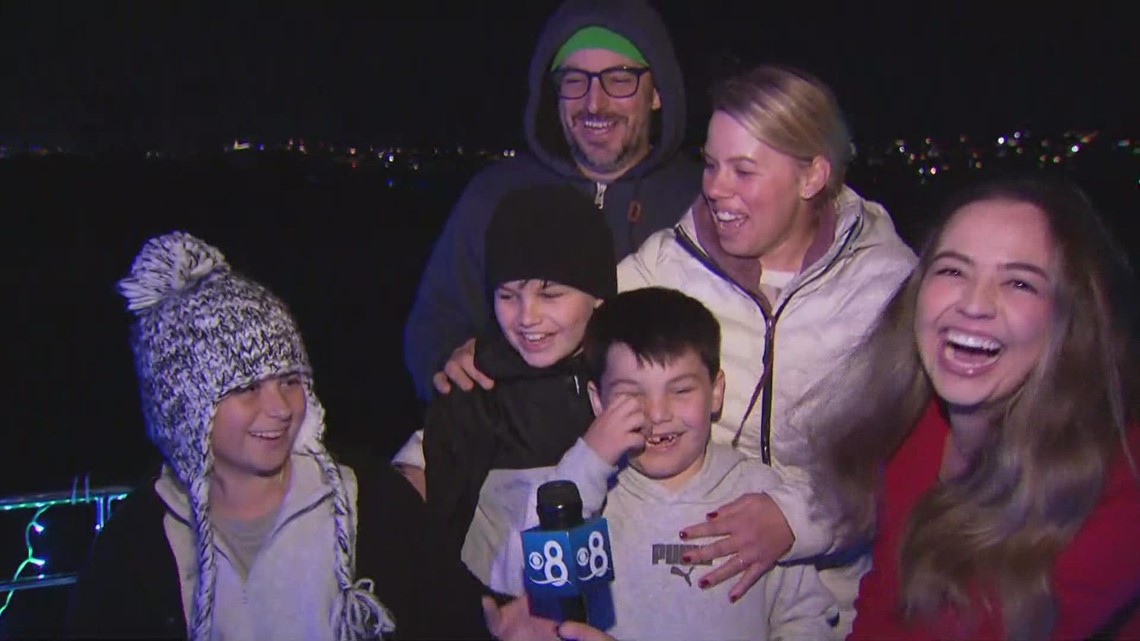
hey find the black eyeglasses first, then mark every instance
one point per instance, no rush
(617, 82)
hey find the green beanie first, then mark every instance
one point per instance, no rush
(597, 38)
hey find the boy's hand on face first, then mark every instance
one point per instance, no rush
(460, 369)
(620, 427)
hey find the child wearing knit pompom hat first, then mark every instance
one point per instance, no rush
(252, 530)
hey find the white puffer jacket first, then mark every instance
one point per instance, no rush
(819, 316)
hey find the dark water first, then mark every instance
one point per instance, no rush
(343, 248)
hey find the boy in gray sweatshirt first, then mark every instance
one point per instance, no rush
(653, 357)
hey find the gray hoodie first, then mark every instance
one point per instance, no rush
(654, 595)
(451, 304)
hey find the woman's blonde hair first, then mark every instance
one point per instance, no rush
(1001, 524)
(794, 113)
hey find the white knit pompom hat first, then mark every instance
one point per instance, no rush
(201, 331)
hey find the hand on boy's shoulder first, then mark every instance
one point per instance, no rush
(460, 369)
(619, 428)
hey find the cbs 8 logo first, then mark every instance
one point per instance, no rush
(550, 562)
(594, 556)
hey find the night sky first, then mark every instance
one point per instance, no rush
(172, 73)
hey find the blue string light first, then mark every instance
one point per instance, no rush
(101, 498)
(32, 559)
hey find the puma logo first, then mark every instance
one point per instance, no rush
(683, 574)
(670, 554)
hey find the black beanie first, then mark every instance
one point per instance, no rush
(550, 232)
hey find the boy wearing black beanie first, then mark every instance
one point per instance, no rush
(549, 264)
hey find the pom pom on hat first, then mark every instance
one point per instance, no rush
(167, 265)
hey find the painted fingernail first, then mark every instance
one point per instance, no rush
(683, 535)
(734, 598)
(686, 559)
(711, 515)
(703, 583)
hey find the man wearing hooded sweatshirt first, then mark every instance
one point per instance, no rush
(606, 114)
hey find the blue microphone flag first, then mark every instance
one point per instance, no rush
(567, 563)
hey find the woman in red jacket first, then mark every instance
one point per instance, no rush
(985, 432)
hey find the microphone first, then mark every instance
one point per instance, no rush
(567, 558)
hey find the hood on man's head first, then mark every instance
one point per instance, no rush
(634, 20)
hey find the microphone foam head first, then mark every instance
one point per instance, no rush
(559, 505)
(556, 493)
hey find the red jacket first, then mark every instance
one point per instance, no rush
(1096, 574)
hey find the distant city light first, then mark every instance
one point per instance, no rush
(931, 156)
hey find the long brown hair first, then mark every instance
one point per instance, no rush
(1000, 525)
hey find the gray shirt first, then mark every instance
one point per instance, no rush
(244, 538)
(787, 603)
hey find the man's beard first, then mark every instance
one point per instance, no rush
(628, 151)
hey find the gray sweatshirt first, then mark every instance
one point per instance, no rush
(655, 595)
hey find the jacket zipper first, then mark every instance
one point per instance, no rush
(600, 195)
(764, 385)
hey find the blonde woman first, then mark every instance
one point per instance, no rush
(795, 266)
